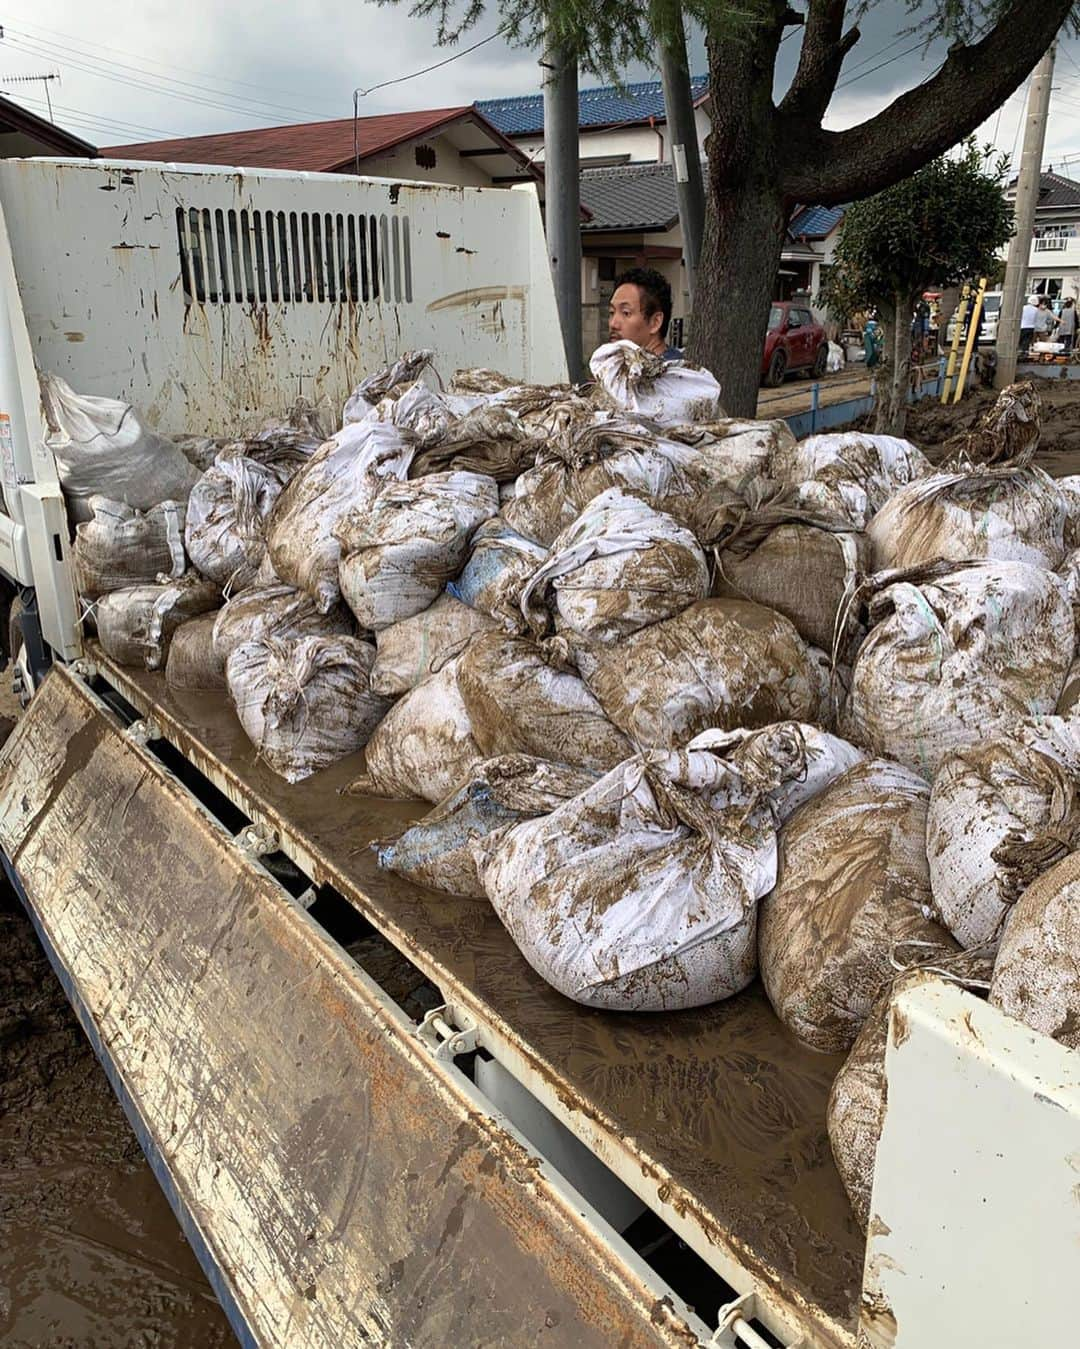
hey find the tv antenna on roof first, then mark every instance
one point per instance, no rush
(34, 79)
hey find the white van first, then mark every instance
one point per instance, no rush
(987, 326)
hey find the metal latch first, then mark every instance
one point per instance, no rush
(257, 840)
(445, 1040)
(735, 1330)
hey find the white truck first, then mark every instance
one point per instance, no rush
(375, 1123)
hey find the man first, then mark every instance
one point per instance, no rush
(1067, 330)
(640, 311)
(1027, 323)
(1045, 322)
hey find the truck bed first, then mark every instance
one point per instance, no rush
(714, 1117)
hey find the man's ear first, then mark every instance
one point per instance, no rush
(656, 322)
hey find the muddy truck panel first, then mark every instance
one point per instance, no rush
(346, 1191)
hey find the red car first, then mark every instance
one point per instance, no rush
(795, 341)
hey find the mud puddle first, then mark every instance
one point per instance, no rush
(91, 1256)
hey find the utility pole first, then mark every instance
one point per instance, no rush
(682, 133)
(1014, 291)
(562, 195)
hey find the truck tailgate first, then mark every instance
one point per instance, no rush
(338, 1188)
(714, 1117)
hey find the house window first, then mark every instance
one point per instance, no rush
(300, 257)
(1050, 286)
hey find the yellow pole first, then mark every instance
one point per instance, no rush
(972, 338)
(961, 310)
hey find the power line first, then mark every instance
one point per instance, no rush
(89, 66)
(872, 56)
(362, 93)
(84, 118)
(148, 60)
(898, 57)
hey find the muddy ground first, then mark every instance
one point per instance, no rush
(91, 1256)
(930, 424)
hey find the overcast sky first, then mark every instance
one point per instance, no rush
(157, 68)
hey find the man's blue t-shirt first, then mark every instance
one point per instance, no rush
(672, 354)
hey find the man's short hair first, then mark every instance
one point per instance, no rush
(655, 293)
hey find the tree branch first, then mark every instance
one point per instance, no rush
(822, 55)
(830, 167)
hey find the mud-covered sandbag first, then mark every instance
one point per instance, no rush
(525, 697)
(641, 893)
(848, 474)
(732, 451)
(619, 567)
(1035, 974)
(119, 546)
(192, 661)
(424, 747)
(667, 392)
(720, 663)
(1069, 571)
(103, 448)
(348, 473)
(414, 648)
(305, 702)
(1069, 487)
(376, 386)
(275, 611)
(956, 656)
(200, 451)
(852, 886)
(856, 1110)
(398, 553)
(1068, 703)
(135, 625)
(799, 562)
(1002, 811)
(1015, 514)
(437, 850)
(500, 565)
(1008, 432)
(225, 535)
(489, 439)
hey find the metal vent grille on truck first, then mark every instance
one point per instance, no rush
(256, 257)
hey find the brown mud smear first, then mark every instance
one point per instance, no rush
(90, 1253)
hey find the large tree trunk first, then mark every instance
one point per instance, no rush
(894, 375)
(745, 211)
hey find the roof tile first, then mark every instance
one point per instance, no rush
(606, 106)
(630, 197)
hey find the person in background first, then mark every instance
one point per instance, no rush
(873, 343)
(1044, 321)
(1027, 323)
(640, 311)
(1067, 328)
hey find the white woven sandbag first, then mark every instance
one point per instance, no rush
(348, 473)
(619, 567)
(399, 553)
(500, 565)
(720, 663)
(275, 611)
(1036, 969)
(192, 662)
(437, 850)
(730, 451)
(851, 889)
(1068, 704)
(305, 702)
(103, 448)
(414, 648)
(225, 535)
(135, 625)
(119, 546)
(848, 473)
(372, 388)
(424, 746)
(997, 812)
(639, 894)
(525, 697)
(958, 657)
(1015, 514)
(668, 392)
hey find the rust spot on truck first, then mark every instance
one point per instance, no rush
(75, 337)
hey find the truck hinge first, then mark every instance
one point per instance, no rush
(257, 840)
(735, 1331)
(86, 670)
(445, 1040)
(144, 730)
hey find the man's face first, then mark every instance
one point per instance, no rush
(627, 322)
